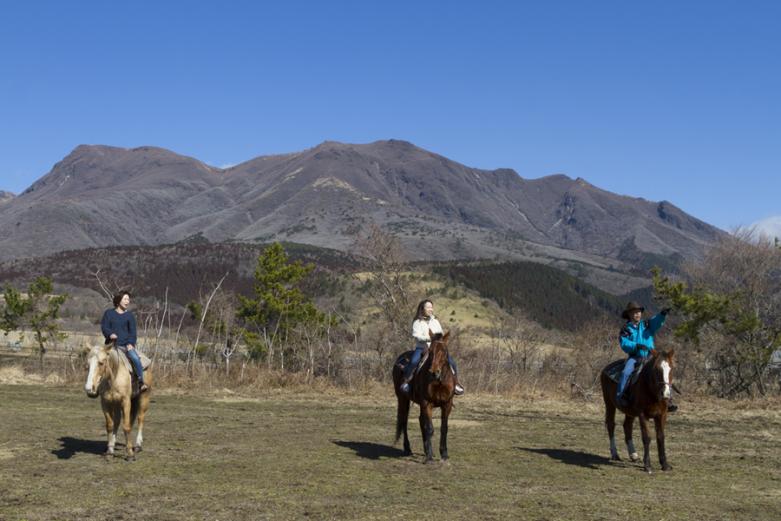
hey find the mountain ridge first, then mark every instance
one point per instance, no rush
(326, 195)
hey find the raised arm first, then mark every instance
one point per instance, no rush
(655, 322)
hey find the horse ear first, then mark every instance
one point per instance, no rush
(671, 354)
(445, 337)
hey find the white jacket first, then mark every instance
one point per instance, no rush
(420, 329)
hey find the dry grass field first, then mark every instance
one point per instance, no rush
(304, 455)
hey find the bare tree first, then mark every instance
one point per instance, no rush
(387, 287)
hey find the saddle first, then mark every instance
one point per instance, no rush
(404, 359)
(145, 363)
(614, 370)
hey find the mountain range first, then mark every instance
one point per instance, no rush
(328, 195)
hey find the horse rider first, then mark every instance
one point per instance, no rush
(637, 341)
(424, 322)
(119, 326)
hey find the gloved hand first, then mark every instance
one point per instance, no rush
(666, 311)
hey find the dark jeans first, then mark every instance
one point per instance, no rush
(631, 362)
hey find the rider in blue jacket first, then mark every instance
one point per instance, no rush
(637, 341)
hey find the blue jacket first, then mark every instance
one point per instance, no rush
(121, 324)
(633, 336)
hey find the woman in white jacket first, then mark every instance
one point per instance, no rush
(424, 322)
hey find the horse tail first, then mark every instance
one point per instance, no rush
(135, 404)
(402, 413)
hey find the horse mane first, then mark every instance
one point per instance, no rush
(113, 363)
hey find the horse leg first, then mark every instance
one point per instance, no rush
(402, 415)
(630, 444)
(659, 427)
(143, 406)
(427, 429)
(610, 425)
(111, 430)
(646, 443)
(443, 432)
(126, 427)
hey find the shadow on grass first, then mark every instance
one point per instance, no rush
(571, 457)
(370, 450)
(72, 446)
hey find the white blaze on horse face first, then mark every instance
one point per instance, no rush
(666, 375)
(93, 362)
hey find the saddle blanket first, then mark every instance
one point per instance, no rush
(145, 361)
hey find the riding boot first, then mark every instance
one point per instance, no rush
(458, 388)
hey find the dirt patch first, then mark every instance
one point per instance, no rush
(6, 454)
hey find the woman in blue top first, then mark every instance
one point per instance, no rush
(119, 326)
(637, 341)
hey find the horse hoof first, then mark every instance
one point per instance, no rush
(428, 461)
(137, 449)
(615, 458)
(648, 470)
(667, 466)
(634, 457)
(408, 453)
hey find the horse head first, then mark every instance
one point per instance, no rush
(663, 364)
(98, 367)
(438, 354)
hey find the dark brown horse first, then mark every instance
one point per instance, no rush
(432, 386)
(648, 399)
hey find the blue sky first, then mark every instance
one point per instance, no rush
(663, 100)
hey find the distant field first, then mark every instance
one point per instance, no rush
(284, 455)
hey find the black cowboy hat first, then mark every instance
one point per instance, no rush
(632, 306)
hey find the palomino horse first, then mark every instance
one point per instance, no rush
(648, 399)
(432, 386)
(109, 378)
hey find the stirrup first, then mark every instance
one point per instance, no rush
(458, 389)
(404, 388)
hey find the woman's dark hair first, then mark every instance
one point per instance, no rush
(421, 314)
(118, 297)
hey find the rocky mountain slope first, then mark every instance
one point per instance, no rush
(326, 196)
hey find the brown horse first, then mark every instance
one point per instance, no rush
(432, 386)
(648, 399)
(109, 377)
